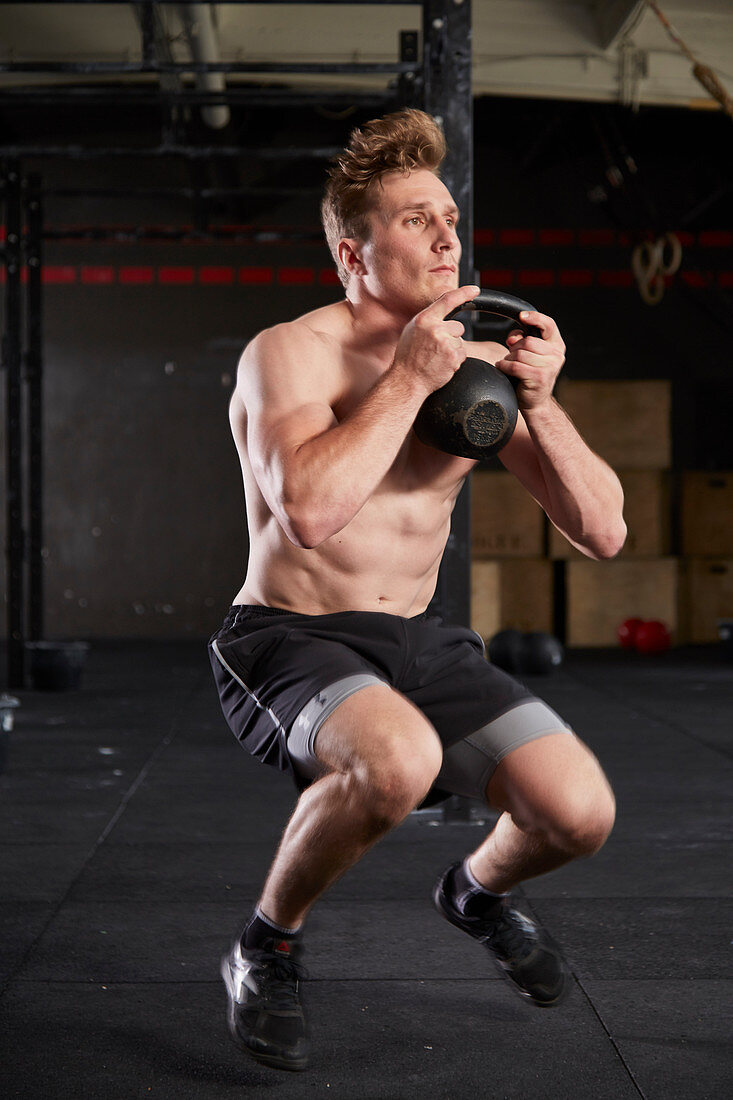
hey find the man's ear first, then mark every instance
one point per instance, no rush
(349, 254)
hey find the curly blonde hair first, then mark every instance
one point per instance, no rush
(400, 142)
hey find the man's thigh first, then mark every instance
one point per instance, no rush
(481, 714)
(469, 766)
(377, 730)
(549, 779)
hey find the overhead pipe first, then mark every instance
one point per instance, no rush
(203, 42)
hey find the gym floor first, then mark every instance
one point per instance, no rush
(137, 834)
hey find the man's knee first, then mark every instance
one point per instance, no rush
(395, 784)
(586, 823)
(385, 748)
(559, 791)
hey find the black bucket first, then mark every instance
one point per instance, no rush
(8, 705)
(56, 666)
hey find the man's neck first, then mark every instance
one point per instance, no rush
(376, 326)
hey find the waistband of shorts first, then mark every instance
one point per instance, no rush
(249, 610)
(240, 612)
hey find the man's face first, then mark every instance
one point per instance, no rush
(412, 254)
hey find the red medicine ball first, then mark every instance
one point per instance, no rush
(652, 637)
(626, 632)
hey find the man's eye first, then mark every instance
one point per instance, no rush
(416, 219)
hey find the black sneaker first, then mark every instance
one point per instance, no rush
(265, 1014)
(521, 949)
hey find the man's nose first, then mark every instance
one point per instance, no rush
(446, 239)
(446, 236)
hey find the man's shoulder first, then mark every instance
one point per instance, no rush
(307, 351)
(316, 330)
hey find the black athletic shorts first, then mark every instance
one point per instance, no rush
(280, 674)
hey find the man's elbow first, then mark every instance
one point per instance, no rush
(304, 527)
(304, 539)
(301, 533)
(610, 542)
(309, 519)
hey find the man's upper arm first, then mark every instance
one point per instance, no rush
(282, 383)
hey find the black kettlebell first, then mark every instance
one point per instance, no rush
(474, 414)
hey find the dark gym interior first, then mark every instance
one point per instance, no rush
(137, 833)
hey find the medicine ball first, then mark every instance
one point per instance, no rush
(504, 650)
(540, 653)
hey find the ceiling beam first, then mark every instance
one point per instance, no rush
(616, 18)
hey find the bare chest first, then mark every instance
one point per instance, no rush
(418, 472)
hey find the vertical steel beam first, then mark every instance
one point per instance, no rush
(12, 339)
(34, 376)
(146, 17)
(448, 96)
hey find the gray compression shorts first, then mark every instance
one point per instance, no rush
(467, 766)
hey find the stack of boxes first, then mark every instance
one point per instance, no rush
(627, 424)
(707, 545)
(526, 575)
(511, 576)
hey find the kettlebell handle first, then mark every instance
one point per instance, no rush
(474, 414)
(503, 305)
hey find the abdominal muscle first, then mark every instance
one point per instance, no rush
(386, 559)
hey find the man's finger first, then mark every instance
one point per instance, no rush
(545, 324)
(454, 298)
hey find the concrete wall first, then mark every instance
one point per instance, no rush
(145, 522)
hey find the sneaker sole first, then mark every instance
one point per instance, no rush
(270, 1060)
(453, 918)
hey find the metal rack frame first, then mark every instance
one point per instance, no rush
(439, 82)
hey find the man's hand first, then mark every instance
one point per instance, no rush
(534, 361)
(430, 348)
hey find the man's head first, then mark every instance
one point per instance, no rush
(404, 142)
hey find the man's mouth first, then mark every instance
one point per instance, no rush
(443, 267)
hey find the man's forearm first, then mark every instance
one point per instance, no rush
(330, 478)
(584, 496)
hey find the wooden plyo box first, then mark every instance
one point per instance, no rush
(627, 423)
(601, 594)
(707, 514)
(505, 520)
(512, 594)
(706, 596)
(647, 515)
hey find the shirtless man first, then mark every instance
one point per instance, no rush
(327, 665)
